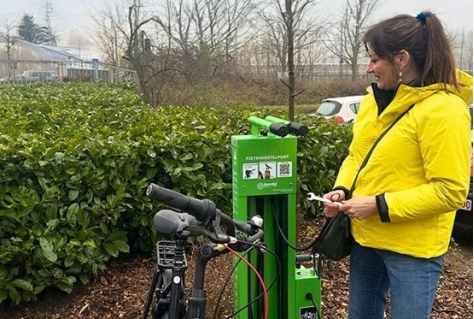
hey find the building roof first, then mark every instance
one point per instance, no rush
(52, 53)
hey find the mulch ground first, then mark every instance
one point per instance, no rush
(121, 290)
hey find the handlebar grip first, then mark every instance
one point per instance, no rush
(303, 258)
(298, 129)
(201, 209)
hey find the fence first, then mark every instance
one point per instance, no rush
(314, 72)
(19, 71)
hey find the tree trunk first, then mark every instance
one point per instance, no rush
(291, 73)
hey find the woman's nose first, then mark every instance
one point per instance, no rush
(369, 68)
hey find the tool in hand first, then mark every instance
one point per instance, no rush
(312, 196)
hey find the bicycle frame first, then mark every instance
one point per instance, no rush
(198, 299)
(168, 282)
(169, 277)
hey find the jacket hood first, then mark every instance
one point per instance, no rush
(408, 95)
(466, 91)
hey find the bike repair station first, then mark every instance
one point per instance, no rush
(264, 168)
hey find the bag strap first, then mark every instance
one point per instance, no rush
(366, 159)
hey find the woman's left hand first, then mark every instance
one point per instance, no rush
(359, 207)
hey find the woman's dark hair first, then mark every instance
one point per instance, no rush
(424, 38)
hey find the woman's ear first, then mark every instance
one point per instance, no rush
(402, 59)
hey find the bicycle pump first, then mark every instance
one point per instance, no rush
(265, 184)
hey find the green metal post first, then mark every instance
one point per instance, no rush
(265, 183)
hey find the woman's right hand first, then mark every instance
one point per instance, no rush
(334, 196)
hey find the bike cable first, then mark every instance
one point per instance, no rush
(283, 235)
(269, 287)
(260, 279)
(310, 297)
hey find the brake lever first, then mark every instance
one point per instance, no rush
(218, 235)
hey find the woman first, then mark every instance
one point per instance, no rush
(404, 201)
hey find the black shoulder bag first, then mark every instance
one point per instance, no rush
(335, 239)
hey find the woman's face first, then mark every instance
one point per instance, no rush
(383, 71)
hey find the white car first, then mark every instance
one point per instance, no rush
(342, 109)
(30, 76)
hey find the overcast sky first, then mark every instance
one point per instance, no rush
(455, 14)
(73, 15)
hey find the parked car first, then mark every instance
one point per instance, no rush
(462, 230)
(342, 109)
(30, 76)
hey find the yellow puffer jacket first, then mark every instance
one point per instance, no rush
(422, 166)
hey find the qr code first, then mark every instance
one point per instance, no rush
(284, 169)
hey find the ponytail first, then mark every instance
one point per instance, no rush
(424, 38)
(440, 65)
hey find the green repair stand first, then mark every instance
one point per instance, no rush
(265, 184)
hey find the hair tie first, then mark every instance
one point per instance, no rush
(421, 17)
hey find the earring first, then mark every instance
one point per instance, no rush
(400, 78)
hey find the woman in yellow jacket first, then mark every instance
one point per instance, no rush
(404, 201)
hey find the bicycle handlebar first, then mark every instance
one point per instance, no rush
(203, 210)
(198, 217)
(198, 213)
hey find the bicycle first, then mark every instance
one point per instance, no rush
(199, 217)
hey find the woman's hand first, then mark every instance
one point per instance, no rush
(334, 196)
(359, 207)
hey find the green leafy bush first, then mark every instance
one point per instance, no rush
(75, 161)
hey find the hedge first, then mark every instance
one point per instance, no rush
(76, 158)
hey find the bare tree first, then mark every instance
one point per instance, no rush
(290, 30)
(9, 41)
(123, 38)
(468, 53)
(190, 39)
(461, 43)
(137, 53)
(7, 37)
(110, 23)
(207, 33)
(306, 30)
(289, 20)
(345, 40)
(80, 41)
